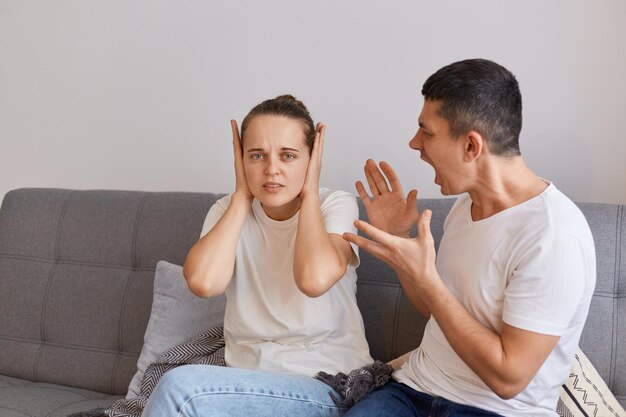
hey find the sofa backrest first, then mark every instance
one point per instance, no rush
(77, 269)
(76, 276)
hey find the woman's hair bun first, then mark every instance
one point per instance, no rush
(292, 100)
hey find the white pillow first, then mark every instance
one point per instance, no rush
(585, 393)
(177, 315)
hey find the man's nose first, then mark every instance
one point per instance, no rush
(415, 143)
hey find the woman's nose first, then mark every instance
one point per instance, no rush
(272, 167)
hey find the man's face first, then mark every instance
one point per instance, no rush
(275, 159)
(440, 150)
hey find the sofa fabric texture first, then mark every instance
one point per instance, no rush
(77, 271)
(76, 288)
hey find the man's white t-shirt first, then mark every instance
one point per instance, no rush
(269, 323)
(531, 266)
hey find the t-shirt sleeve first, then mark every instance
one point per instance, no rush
(340, 210)
(215, 213)
(548, 285)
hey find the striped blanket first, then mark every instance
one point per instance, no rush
(205, 349)
(208, 349)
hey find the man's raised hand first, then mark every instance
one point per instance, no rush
(387, 208)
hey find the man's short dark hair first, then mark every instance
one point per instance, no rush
(480, 95)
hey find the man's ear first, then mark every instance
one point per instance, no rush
(475, 146)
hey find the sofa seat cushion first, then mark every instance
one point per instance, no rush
(22, 398)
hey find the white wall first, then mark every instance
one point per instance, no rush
(137, 94)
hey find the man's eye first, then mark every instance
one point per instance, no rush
(256, 156)
(289, 156)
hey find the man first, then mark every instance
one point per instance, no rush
(509, 290)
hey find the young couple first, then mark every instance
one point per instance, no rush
(506, 295)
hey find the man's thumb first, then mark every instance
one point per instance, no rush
(424, 223)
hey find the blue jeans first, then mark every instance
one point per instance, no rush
(207, 391)
(399, 400)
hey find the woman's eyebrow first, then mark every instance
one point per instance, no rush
(284, 148)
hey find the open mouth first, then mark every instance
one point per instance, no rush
(272, 186)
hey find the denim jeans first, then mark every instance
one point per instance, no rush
(399, 400)
(208, 391)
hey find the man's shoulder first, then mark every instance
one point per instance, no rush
(563, 215)
(461, 206)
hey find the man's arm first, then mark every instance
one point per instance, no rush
(412, 294)
(506, 362)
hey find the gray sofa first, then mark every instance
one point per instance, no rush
(76, 276)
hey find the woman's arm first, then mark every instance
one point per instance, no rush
(321, 258)
(211, 261)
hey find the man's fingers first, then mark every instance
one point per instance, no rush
(375, 233)
(423, 227)
(362, 193)
(377, 176)
(375, 249)
(411, 202)
(394, 181)
(360, 241)
(370, 182)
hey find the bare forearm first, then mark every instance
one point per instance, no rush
(318, 264)
(482, 349)
(210, 263)
(412, 294)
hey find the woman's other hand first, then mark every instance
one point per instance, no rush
(241, 183)
(312, 180)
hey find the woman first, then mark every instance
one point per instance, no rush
(275, 247)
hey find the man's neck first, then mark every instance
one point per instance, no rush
(503, 183)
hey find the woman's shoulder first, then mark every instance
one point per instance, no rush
(222, 202)
(338, 201)
(329, 196)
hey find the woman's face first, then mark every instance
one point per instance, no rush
(275, 159)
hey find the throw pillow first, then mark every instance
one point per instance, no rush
(585, 393)
(177, 315)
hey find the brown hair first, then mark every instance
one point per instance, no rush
(478, 94)
(284, 105)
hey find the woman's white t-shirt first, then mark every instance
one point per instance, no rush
(269, 323)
